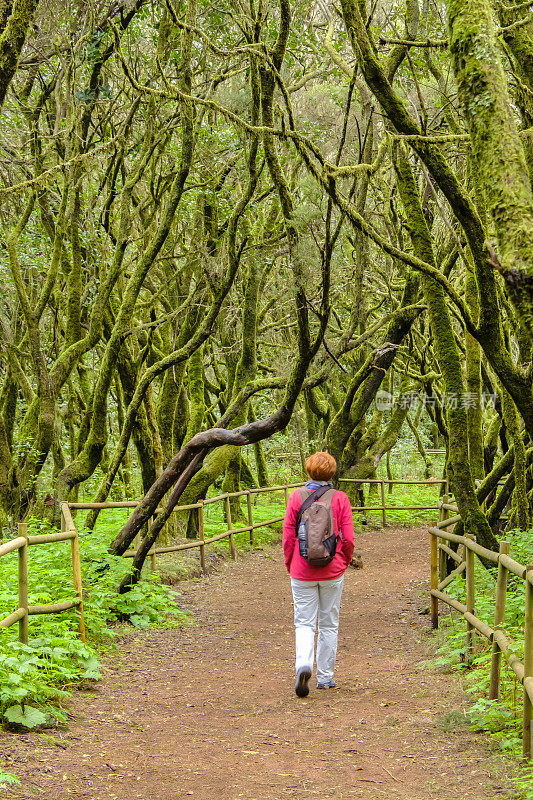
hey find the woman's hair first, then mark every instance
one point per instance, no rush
(321, 466)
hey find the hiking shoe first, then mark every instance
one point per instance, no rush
(328, 685)
(301, 686)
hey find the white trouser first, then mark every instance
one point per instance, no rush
(309, 598)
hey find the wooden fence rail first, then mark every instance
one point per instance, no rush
(201, 542)
(390, 482)
(69, 533)
(232, 531)
(501, 643)
(21, 544)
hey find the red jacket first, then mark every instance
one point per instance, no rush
(343, 522)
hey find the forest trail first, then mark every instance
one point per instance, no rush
(209, 711)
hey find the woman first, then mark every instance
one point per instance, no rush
(317, 589)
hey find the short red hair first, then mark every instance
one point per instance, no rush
(321, 466)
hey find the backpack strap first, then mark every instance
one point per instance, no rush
(332, 490)
(309, 500)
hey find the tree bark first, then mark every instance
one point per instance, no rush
(17, 18)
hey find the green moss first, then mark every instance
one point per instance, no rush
(195, 385)
(520, 499)
(473, 383)
(499, 155)
(259, 454)
(458, 464)
(12, 40)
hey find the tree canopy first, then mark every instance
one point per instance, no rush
(221, 219)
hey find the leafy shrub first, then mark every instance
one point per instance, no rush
(35, 678)
(501, 718)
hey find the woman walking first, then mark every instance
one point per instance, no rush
(318, 544)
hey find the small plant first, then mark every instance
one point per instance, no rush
(7, 779)
(524, 783)
(453, 720)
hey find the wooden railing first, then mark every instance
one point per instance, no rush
(21, 544)
(201, 542)
(501, 643)
(384, 507)
(69, 533)
(231, 531)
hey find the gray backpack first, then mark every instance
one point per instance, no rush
(314, 526)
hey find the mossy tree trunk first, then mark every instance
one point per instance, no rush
(379, 442)
(497, 150)
(458, 465)
(261, 464)
(474, 384)
(489, 331)
(428, 465)
(347, 426)
(90, 456)
(15, 20)
(226, 460)
(521, 510)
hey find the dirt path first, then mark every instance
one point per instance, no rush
(209, 711)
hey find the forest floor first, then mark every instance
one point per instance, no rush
(208, 711)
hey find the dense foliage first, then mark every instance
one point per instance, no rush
(35, 678)
(250, 217)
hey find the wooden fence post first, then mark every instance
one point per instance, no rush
(152, 554)
(384, 511)
(528, 666)
(499, 615)
(470, 596)
(434, 581)
(76, 574)
(201, 534)
(228, 519)
(442, 555)
(443, 563)
(250, 517)
(23, 583)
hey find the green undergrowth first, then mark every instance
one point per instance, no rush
(500, 719)
(178, 566)
(35, 679)
(264, 508)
